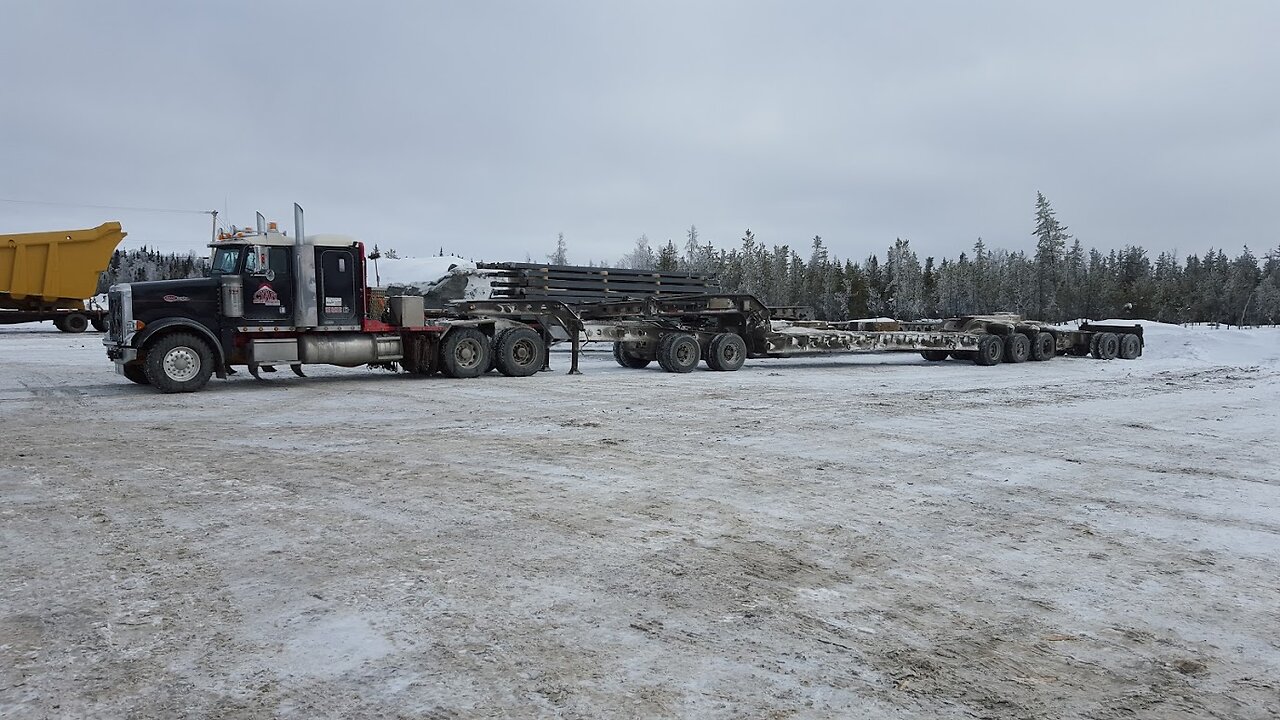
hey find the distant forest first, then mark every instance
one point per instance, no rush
(1061, 281)
(147, 264)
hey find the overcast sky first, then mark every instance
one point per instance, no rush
(487, 128)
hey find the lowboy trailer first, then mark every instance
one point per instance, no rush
(723, 331)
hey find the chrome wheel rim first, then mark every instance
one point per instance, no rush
(181, 364)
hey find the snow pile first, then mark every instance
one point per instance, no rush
(1208, 345)
(452, 276)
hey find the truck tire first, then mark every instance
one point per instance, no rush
(934, 355)
(1105, 346)
(726, 352)
(629, 358)
(1130, 346)
(99, 323)
(1017, 348)
(1043, 346)
(136, 373)
(464, 353)
(678, 352)
(74, 323)
(967, 355)
(990, 350)
(179, 362)
(519, 352)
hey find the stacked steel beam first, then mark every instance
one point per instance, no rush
(578, 284)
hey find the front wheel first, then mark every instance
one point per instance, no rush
(136, 373)
(179, 363)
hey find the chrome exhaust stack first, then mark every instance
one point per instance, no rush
(306, 309)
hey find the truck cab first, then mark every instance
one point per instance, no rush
(271, 299)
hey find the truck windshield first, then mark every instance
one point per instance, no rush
(225, 260)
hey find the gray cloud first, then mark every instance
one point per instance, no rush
(487, 128)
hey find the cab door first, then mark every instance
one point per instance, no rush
(338, 286)
(268, 285)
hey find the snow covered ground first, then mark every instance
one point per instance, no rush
(870, 536)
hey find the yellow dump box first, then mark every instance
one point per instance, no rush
(43, 275)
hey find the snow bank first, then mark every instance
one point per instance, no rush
(449, 277)
(1207, 345)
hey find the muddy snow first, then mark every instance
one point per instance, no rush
(859, 536)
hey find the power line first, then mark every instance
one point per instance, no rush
(107, 207)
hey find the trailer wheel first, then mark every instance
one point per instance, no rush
(990, 350)
(1105, 346)
(628, 358)
(519, 352)
(179, 362)
(135, 372)
(464, 353)
(1017, 347)
(1130, 346)
(726, 352)
(968, 355)
(1043, 346)
(934, 355)
(74, 323)
(678, 352)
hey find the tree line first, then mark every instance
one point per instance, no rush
(1060, 281)
(145, 263)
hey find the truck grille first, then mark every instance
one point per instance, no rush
(115, 315)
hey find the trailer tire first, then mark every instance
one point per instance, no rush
(678, 352)
(1105, 346)
(1017, 348)
(1043, 346)
(1130, 346)
(136, 373)
(519, 352)
(726, 352)
(990, 350)
(464, 353)
(934, 355)
(629, 359)
(74, 323)
(967, 355)
(178, 363)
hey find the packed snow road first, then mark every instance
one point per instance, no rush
(870, 536)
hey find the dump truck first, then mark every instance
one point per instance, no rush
(274, 300)
(49, 276)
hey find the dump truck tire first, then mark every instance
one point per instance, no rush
(1130, 347)
(629, 359)
(178, 363)
(1017, 348)
(726, 352)
(990, 350)
(519, 352)
(1043, 346)
(136, 373)
(934, 355)
(1105, 346)
(99, 323)
(678, 353)
(74, 323)
(464, 353)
